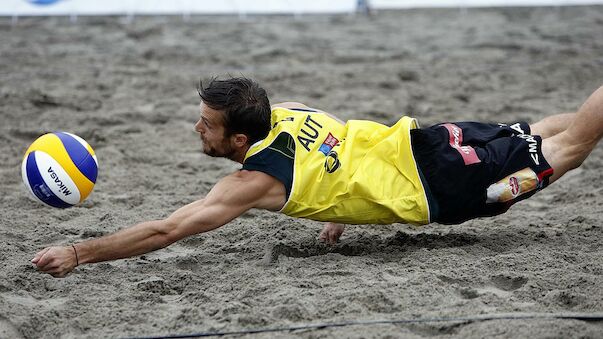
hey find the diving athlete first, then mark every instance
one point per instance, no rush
(306, 163)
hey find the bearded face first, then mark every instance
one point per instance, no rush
(213, 133)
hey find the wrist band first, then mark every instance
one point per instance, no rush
(77, 260)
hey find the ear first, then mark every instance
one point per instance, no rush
(239, 140)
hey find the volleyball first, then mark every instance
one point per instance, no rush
(59, 169)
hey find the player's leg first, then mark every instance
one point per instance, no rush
(568, 149)
(552, 125)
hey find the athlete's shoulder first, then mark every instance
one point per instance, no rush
(252, 177)
(289, 105)
(246, 184)
(267, 191)
(295, 106)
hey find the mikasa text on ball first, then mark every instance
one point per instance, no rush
(59, 169)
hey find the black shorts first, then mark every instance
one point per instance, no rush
(475, 169)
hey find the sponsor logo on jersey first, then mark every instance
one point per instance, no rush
(328, 144)
(332, 162)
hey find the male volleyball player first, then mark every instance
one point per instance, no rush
(306, 163)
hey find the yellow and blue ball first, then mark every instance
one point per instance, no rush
(59, 169)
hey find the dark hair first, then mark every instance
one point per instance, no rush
(244, 103)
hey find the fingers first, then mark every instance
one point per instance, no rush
(323, 235)
(39, 255)
(58, 273)
(50, 265)
(333, 237)
(328, 237)
(55, 269)
(331, 233)
(45, 258)
(56, 261)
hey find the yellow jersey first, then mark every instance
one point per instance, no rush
(362, 172)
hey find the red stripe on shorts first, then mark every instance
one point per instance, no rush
(545, 173)
(456, 139)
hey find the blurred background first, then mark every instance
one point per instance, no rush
(242, 7)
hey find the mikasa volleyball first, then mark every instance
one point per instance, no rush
(59, 169)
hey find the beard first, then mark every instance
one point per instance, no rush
(224, 151)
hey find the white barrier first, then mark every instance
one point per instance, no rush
(171, 7)
(391, 4)
(18, 8)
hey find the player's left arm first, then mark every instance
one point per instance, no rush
(229, 198)
(331, 233)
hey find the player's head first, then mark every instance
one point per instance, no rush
(235, 113)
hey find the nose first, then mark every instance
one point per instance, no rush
(199, 126)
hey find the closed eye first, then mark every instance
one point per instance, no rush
(205, 122)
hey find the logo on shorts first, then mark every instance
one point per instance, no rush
(456, 139)
(532, 147)
(516, 127)
(514, 186)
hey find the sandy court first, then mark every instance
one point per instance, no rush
(129, 90)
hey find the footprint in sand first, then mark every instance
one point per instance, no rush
(501, 286)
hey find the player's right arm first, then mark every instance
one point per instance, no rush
(231, 197)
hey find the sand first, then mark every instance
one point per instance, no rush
(129, 89)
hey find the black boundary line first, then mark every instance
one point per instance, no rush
(467, 319)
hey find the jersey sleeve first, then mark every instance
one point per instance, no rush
(275, 160)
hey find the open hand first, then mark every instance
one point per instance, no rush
(56, 261)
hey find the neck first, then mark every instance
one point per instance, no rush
(239, 156)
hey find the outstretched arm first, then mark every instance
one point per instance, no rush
(231, 197)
